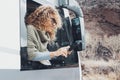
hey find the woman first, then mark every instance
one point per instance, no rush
(42, 25)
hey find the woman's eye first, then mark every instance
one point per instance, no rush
(53, 20)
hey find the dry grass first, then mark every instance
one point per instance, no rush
(113, 43)
(111, 76)
(99, 69)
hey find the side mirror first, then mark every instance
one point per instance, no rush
(78, 34)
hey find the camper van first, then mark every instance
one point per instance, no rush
(14, 64)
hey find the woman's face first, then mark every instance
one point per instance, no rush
(52, 24)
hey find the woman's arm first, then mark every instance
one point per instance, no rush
(41, 56)
(46, 55)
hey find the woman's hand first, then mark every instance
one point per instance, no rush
(63, 51)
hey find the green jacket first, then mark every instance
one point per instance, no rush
(36, 41)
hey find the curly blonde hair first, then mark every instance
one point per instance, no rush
(45, 18)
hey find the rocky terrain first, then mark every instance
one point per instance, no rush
(102, 14)
(101, 58)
